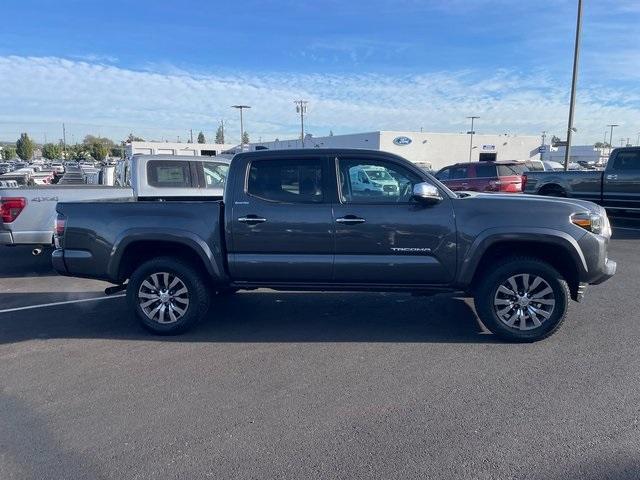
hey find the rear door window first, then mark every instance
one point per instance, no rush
(168, 174)
(459, 172)
(215, 174)
(290, 181)
(485, 170)
(627, 161)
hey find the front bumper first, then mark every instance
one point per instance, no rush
(610, 267)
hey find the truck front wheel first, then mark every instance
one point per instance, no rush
(168, 296)
(522, 300)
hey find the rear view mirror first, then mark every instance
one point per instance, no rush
(426, 193)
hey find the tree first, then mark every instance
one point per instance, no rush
(245, 137)
(8, 153)
(133, 138)
(201, 138)
(78, 152)
(555, 140)
(51, 151)
(98, 147)
(220, 134)
(601, 145)
(25, 147)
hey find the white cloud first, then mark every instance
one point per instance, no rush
(40, 93)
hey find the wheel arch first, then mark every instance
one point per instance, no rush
(135, 247)
(557, 248)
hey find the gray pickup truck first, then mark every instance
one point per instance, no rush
(302, 220)
(617, 188)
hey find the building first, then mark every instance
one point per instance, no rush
(176, 148)
(577, 153)
(435, 150)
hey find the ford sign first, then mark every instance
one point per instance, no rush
(402, 141)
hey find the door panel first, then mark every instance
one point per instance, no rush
(621, 181)
(391, 239)
(282, 228)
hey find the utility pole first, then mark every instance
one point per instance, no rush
(574, 81)
(471, 133)
(64, 141)
(612, 126)
(544, 137)
(191, 134)
(241, 107)
(301, 108)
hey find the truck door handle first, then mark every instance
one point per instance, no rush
(252, 219)
(612, 177)
(350, 220)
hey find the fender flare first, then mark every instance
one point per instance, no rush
(493, 236)
(210, 258)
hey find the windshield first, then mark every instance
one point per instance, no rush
(378, 175)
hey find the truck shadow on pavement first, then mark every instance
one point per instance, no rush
(31, 450)
(268, 317)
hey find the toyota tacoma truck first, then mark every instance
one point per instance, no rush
(616, 188)
(291, 220)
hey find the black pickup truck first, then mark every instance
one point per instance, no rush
(306, 220)
(617, 188)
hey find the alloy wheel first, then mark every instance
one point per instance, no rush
(524, 301)
(163, 297)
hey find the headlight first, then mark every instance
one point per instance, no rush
(593, 222)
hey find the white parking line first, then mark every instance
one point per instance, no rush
(42, 305)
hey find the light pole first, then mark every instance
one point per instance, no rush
(574, 80)
(301, 108)
(241, 107)
(471, 133)
(612, 126)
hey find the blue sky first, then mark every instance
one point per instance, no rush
(160, 68)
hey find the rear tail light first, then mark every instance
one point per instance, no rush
(10, 208)
(61, 223)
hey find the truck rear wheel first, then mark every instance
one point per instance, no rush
(168, 296)
(523, 300)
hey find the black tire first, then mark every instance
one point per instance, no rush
(197, 296)
(487, 298)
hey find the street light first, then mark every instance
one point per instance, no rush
(471, 133)
(613, 125)
(241, 107)
(301, 108)
(574, 80)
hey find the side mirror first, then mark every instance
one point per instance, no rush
(426, 193)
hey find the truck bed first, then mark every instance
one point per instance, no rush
(89, 239)
(34, 224)
(583, 184)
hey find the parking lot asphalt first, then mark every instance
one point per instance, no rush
(315, 385)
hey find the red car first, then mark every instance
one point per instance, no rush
(505, 176)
